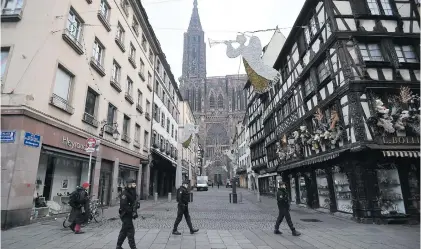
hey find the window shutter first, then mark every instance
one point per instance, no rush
(62, 84)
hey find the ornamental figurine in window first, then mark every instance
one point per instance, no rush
(383, 119)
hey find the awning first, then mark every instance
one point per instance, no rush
(313, 160)
(400, 153)
(65, 153)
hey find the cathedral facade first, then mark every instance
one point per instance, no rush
(218, 103)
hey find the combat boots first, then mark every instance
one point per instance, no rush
(295, 233)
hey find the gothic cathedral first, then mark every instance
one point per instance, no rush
(218, 103)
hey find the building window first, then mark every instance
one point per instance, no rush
(112, 114)
(323, 70)
(156, 113)
(135, 26)
(125, 5)
(308, 86)
(139, 98)
(74, 25)
(11, 7)
(386, 7)
(175, 136)
(98, 52)
(132, 52)
(142, 68)
(4, 60)
(150, 55)
(116, 72)
(129, 87)
(374, 7)
(126, 126)
(104, 9)
(163, 120)
(168, 125)
(120, 33)
(158, 66)
(371, 52)
(137, 133)
(145, 139)
(91, 100)
(63, 84)
(149, 79)
(220, 102)
(172, 130)
(148, 106)
(405, 53)
(212, 101)
(144, 43)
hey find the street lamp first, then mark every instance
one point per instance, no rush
(113, 126)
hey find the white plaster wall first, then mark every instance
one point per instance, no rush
(417, 74)
(388, 73)
(344, 7)
(405, 74)
(373, 73)
(404, 9)
(390, 25)
(62, 172)
(161, 130)
(368, 25)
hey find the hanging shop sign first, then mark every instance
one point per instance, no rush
(398, 140)
(72, 144)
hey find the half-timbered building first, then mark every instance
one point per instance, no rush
(341, 126)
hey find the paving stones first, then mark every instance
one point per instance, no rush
(222, 225)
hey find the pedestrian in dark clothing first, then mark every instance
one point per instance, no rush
(183, 197)
(212, 184)
(283, 207)
(128, 212)
(79, 201)
(218, 185)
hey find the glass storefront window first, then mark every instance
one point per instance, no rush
(124, 174)
(322, 189)
(342, 191)
(391, 201)
(293, 194)
(414, 189)
(303, 190)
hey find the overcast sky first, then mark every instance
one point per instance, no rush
(221, 20)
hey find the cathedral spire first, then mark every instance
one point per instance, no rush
(195, 19)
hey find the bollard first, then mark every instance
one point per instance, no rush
(258, 197)
(230, 196)
(241, 198)
(191, 197)
(234, 198)
(155, 197)
(169, 197)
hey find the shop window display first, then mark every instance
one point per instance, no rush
(342, 191)
(390, 201)
(303, 191)
(293, 194)
(414, 188)
(322, 189)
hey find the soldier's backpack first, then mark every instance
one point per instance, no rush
(74, 199)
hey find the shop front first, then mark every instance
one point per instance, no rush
(267, 183)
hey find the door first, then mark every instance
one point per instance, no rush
(104, 188)
(48, 182)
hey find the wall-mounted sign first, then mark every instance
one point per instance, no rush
(32, 140)
(72, 144)
(399, 140)
(8, 136)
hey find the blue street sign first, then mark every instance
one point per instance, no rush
(8, 136)
(32, 140)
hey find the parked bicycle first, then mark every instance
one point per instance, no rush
(96, 213)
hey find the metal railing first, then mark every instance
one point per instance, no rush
(61, 103)
(126, 138)
(148, 116)
(90, 119)
(139, 108)
(114, 83)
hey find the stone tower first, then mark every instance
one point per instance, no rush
(218, 103)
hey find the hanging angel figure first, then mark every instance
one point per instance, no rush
(260, 74)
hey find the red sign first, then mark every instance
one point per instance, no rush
(91, 142)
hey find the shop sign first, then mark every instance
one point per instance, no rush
(399, 140)
(72, 144)
(8, 136)
(32, 140)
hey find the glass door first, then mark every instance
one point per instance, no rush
(322, 189)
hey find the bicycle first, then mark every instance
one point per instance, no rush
(96, 213)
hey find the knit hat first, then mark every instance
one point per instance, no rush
(85, 185)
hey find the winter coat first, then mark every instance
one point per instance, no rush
(183, 195)
(282, 198)
(76, 215)
(128, 204)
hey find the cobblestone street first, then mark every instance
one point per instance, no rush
(222, 225)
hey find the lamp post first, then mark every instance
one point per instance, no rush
(113, 126)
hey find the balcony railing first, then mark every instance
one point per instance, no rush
(104, 20)
(120, 44)
(148, 116)
(114, 83)
(168, 151)
(132, 61)
(11, 15)
(139, 108)
(136, 143)
(155, 144)
(125, 137)
(97, 65)
(73, 41)
(128, 97)
(89, 119)
(61, 103)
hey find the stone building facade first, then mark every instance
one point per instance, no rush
(218, 103)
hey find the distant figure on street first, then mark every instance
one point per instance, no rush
(183, 197)
(212, 184)
(218, 185)
(79, 201)
(128, 212)
(283, 207)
